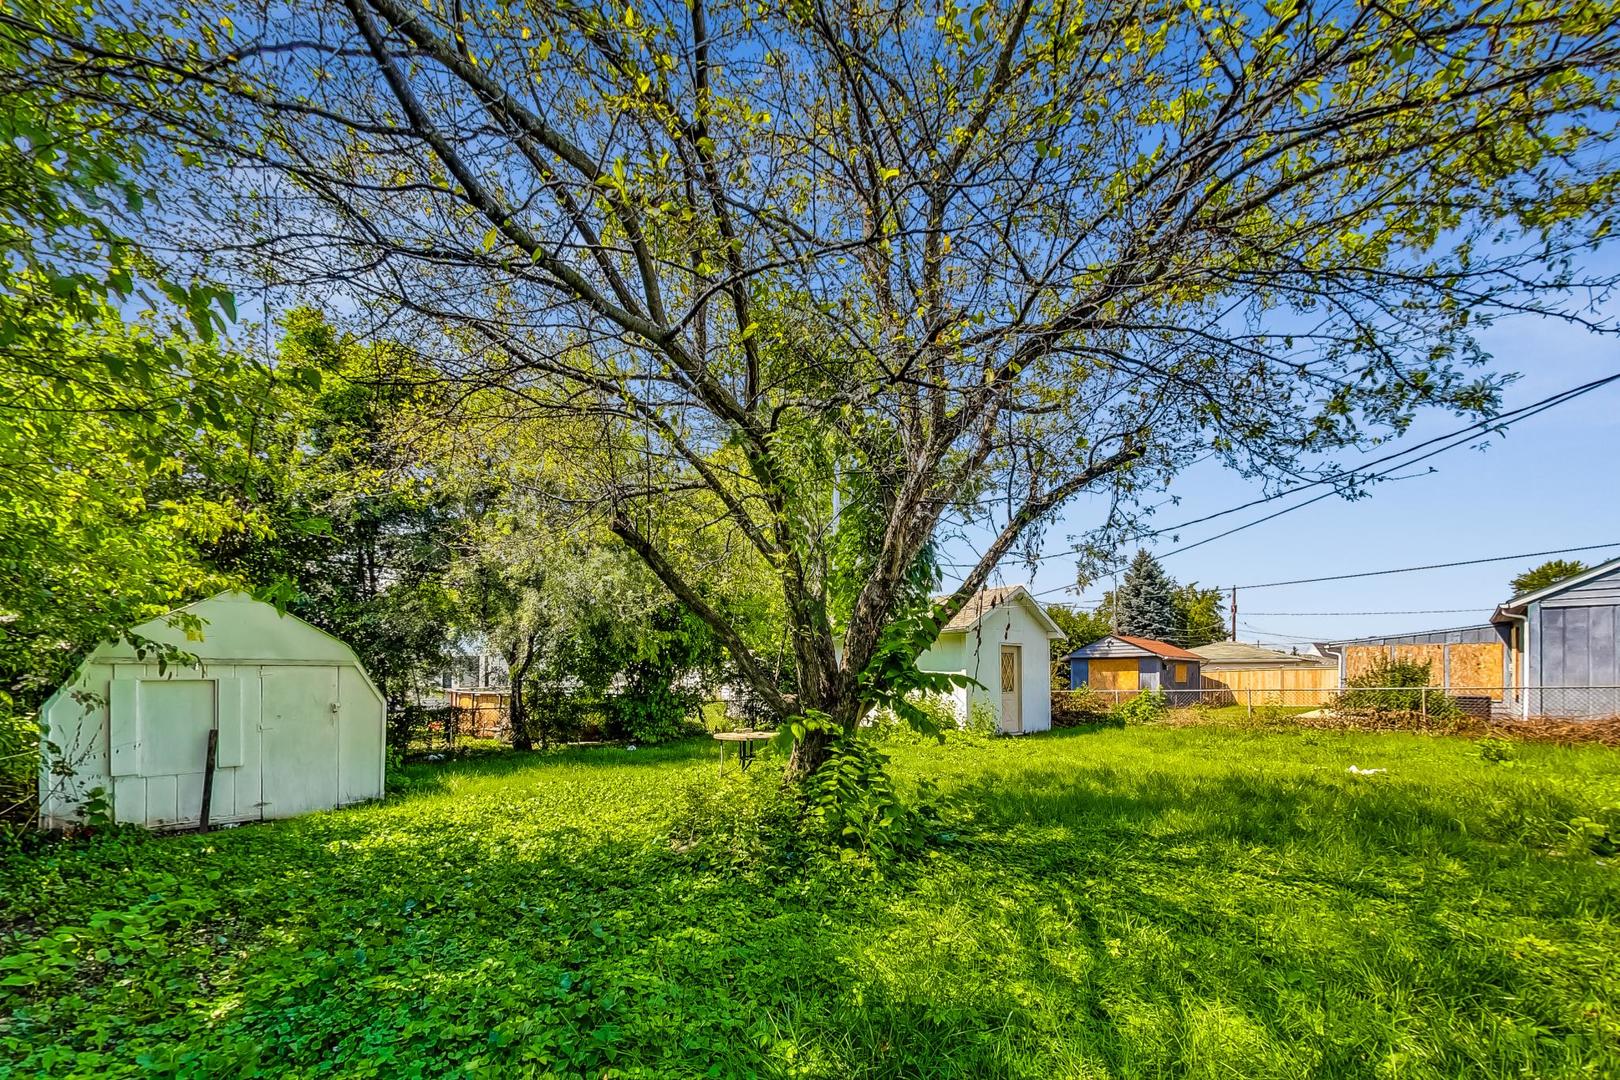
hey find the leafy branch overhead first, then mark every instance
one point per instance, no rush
(908, 272)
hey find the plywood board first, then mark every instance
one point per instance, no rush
(1477, 667)
(1112, 674)
(1433, 655)
(1359, 659)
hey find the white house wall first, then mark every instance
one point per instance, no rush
(946, 654)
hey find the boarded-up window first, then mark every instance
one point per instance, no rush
(1181, 674)
(1113, 674)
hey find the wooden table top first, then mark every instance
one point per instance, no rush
(743, 736)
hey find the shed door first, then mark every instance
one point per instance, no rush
(299, 721)
(1012, 717)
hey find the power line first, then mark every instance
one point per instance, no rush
(1432, 566)
(1411, 611)
(1452, 439)
(1507, 419)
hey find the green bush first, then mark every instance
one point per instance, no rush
(981, 721)
(1148, 707)
(19, 763)
(853, 804)
(748, 821)
(1079, 707)
(655, 714)
(1398, 686)
(938, 712)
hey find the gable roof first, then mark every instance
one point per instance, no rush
(1145, 645)
(1517, 605)
(1241, 652)
(985, 601)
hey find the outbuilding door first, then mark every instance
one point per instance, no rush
(299, 726)
(1012, 717)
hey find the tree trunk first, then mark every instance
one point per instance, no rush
(518, 721)
(809, 754)
(518, 714)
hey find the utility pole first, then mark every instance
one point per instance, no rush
(1234, 613)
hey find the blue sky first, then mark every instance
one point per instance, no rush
(1549, 482)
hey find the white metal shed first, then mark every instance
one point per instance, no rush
(301, 725)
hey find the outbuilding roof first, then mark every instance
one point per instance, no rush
(985, 601)
(1147, 645)
(1241, 652)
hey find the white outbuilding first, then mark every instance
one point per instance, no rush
(1001, 640)
(300, 724)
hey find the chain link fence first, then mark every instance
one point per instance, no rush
(1488, 703)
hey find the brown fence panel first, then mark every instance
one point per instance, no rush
(1302, 684)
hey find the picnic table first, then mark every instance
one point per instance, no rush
(745, 741)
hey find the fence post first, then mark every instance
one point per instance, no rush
(1423, 703)
(1249, 697)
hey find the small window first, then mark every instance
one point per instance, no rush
(1181, 674)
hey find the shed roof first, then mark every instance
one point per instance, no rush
(1146, 645)
(985, 601)
(1241, 652)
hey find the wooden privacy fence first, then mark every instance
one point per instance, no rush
(1300, 684)
(481, 714)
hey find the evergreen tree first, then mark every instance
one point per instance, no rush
(1145, 602)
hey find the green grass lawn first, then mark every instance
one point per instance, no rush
(1139, 902)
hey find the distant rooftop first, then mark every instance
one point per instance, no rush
(1241, 652)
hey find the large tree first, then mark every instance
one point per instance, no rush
(902, 266)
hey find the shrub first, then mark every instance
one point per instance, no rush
(1073, 708)
(1496, 750)
(655, 714)
(1398, 686)
(1148, 707)
(981, 721)
(746, 821)
(853, 804)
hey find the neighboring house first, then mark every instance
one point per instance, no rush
(1551, 652)
(1241, 656)
(1249, 671)
(1001, 640)
(298, 724)
(1122, 662)
(1561, 644)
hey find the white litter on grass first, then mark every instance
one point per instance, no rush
(632, 746)
(1365, 772)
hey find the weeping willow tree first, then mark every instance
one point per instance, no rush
(852, 275)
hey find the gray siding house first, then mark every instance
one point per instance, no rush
(1562, 644)
(1551, 652)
